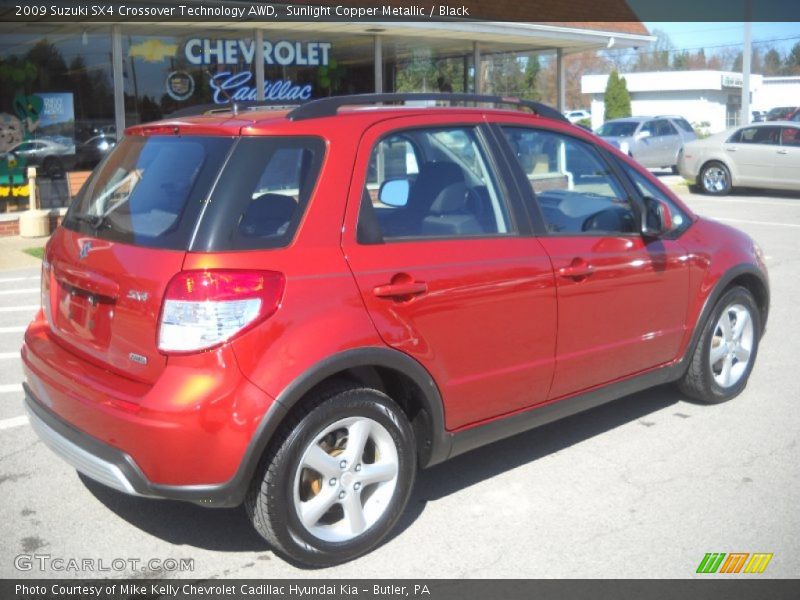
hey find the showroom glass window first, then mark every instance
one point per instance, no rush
(56, 86)
(184, 67)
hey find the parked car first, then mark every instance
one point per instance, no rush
(574, 116)
(780, 113)
(52, 157)
(255, 308)
(654, 142)
(762, 155)
(93, 150)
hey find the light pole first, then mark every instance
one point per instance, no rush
(747, 52)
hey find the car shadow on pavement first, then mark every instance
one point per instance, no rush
(489, 461)
(182, 523)
(229, 530)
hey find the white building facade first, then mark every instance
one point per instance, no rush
(710, 100)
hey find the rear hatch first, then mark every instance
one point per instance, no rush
(123, 239)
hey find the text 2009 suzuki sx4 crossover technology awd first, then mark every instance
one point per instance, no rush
(296, 309)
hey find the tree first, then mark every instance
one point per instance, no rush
(617, 98)
(793, 59)
(772, 62)
(656, 58)
(532, 68)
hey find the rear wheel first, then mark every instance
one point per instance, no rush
(724, 356)
(337, 479)
(715, 179)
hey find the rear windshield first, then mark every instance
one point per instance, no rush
(622, 129)
(200, 193)
(150, 190)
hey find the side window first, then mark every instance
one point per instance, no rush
(650, 127)
(431, 183)
(684, 124)
(664, 127)
(790, 136)
(278, 197)
(760, 135)
(575, 190)
(646, 188)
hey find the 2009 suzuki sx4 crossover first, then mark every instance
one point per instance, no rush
(295, 309)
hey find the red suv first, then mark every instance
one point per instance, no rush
(296, 309)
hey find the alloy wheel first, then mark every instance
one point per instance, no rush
(715, 179)
(731, 345)
(345, 480)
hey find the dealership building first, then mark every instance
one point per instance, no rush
(79, 82)
(710, 100)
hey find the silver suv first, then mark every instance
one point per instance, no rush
(653, 141)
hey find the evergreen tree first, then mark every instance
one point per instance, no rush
(793, 60)
(617, 98)
(772, 62)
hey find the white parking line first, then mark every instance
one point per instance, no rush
(13, 422)
(23, 308)
(8, 355)
(22, 291)
(19, 329)
(10, 279)
(768, 223)
(10, 388)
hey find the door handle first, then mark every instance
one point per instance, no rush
(401, 289)
(731, 149)
(579, 269)
(783, 151)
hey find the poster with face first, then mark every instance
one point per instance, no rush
(11, 132)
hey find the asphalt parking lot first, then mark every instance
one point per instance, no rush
(640, 488)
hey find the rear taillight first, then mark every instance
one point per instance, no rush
(203, 309)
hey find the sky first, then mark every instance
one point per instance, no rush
(688, 35)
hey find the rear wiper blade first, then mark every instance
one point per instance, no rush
(94, 221)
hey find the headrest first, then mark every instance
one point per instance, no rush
(451, 199)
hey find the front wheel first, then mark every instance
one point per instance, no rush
(715, 179)
(337, 479)
(723, 358)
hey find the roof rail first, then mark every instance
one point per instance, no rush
(235, 108)
(326, 107)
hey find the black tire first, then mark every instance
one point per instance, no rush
(271, 501)
(699, 382)
(721, 185)
(675, 170)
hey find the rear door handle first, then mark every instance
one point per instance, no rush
(731, 149)
(783, 151)
(579, 269)
(401, 289)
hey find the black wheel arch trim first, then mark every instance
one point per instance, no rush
(720, 286)
(376, 356)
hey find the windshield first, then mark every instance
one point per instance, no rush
(150, 190)
(618, 129)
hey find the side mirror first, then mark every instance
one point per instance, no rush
(657, 219)
(643, 135)
(394, 192)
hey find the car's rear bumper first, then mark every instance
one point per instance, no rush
(113, 467)
(101, 462)
(187, 436)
